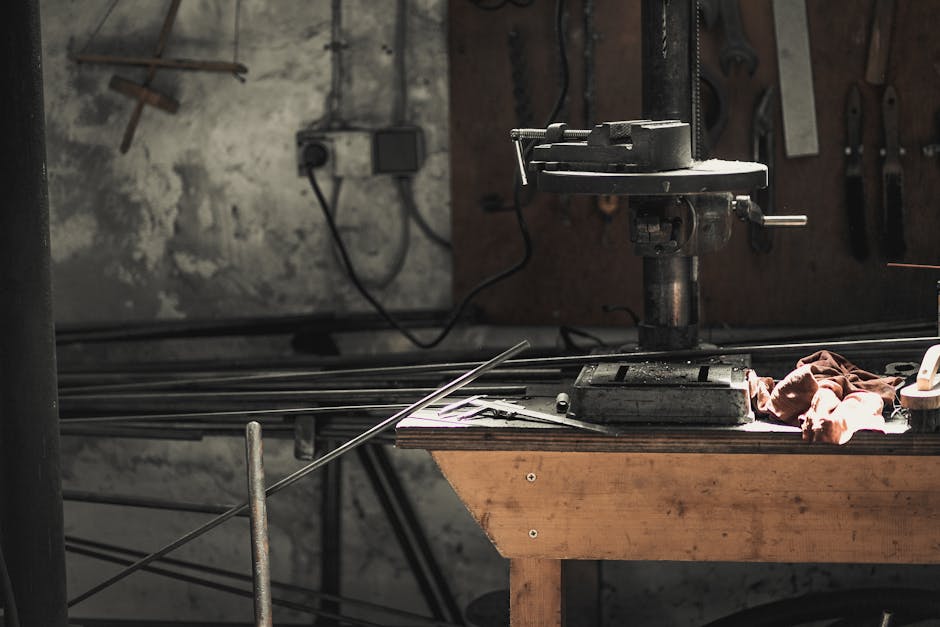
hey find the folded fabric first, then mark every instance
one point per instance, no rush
(827, 395)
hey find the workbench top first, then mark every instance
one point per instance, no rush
(425, 430)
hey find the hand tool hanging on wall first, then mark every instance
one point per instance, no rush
(879, 43)
(854, 181)
(762, 151)
(892, 179)
(796, 78)
(737, 49)
(143, 93)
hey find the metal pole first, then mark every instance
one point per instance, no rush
(260, 558)
(30, 496)
(670, 82)
(447, 389)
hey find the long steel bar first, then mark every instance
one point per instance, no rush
(82, 496)
(226, 415)
(286, 587)
(215, 585)
(411, 537)
(454, 385)
(276, 395)
(260, 552)
(541, 362)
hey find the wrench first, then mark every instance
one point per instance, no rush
(737, 48)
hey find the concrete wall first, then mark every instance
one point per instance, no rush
(206, 215)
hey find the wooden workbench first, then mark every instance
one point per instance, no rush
(754, 494)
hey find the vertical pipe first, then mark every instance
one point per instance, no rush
(331, 536)
(260, 562)
(30, 490)
(669, 48)
(667, 59)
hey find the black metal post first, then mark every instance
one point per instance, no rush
(331, 535)
(409, 533)
(669, 48)
(30, 492)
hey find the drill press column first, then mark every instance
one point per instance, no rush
(670, 87)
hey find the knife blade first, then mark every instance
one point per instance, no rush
(892, 179)
(854, 181)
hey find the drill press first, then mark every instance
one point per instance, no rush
(681, 207)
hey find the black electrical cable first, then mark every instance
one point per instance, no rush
(458, 311)
(394, 267)
(563, 71)
(517, 208)
(10, 614)
(406, 193)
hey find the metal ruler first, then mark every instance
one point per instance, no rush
(796, 78)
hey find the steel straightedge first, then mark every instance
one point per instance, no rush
(456, 384)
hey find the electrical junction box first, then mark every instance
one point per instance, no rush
(357, 153)
(397, 150)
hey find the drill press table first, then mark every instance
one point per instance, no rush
(545, 494)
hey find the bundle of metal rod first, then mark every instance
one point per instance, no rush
(444, 369)
(215, 401)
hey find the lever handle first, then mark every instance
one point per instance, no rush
(775, 221)
(747, 209)
(520, 162)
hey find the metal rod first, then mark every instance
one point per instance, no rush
(921, 266)
(287, 587)
(125, 500)
(226, 415)
(445, 368)
(229, 397)
(454, 385)
(260, 551)
(411, 537)
(215, 585)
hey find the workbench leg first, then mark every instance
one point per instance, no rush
(535, 593)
